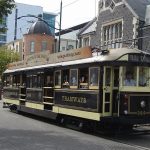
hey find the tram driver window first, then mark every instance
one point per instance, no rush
(143, 76)
(58, 79)
(129, 76)
(93, 76)
(83, 78)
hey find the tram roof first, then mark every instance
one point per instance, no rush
(112, 55)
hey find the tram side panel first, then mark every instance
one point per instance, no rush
(82, 104)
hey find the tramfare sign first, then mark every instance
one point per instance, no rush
(79, 100)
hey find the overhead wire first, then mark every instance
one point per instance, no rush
(66, 5)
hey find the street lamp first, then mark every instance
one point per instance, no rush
(60, 24)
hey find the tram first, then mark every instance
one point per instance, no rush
(109, 87)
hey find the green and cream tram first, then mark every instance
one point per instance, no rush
(110, 87)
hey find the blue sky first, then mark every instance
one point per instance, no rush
(74, 12)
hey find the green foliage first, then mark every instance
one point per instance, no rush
(6, 57)
(6, 7)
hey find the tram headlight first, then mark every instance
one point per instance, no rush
(125, 112)
(143, 104)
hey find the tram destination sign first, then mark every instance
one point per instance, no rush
(79, 100)
(139, 58)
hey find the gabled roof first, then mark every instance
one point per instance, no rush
(89, 27)
(139, 7)
(77, 27)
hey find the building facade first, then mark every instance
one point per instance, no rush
(38, 39)
(120, 23)
(68, 38)
(23, 24)
(16, 46)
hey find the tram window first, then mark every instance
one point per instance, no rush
(83, 78)
(16, 80)
(93, 76)
(34, 81)
(58, 79)
(143, 76)
(73, 78)
(40, 79)
(49, 80)
(116, 77)
(29, 81)
(7, 80)
(108, 76)
(23, 80)
(129, 76)
(65, 83)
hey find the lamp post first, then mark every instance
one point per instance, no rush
(16, 16)
(60, 24)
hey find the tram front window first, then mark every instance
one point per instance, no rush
(129, 76)
(143, 76)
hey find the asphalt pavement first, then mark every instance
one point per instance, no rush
(19, 132)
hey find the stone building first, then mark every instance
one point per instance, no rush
(120, 23)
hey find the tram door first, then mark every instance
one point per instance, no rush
(107, 90)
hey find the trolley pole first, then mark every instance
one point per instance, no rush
(60, 24)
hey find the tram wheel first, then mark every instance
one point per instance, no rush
(13, 108)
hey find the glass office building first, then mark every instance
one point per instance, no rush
(23, 24)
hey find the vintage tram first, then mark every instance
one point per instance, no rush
(109, 87)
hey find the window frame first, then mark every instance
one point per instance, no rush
(32, 46)
(43, 46)
(111, 33)
(83, 41)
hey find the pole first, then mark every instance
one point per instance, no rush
(60, 24)
(15, 32)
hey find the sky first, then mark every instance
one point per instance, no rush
(74, 12)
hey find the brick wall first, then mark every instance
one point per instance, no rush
(37, 38)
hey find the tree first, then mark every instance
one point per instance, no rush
(7, 56)
(6, 7)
